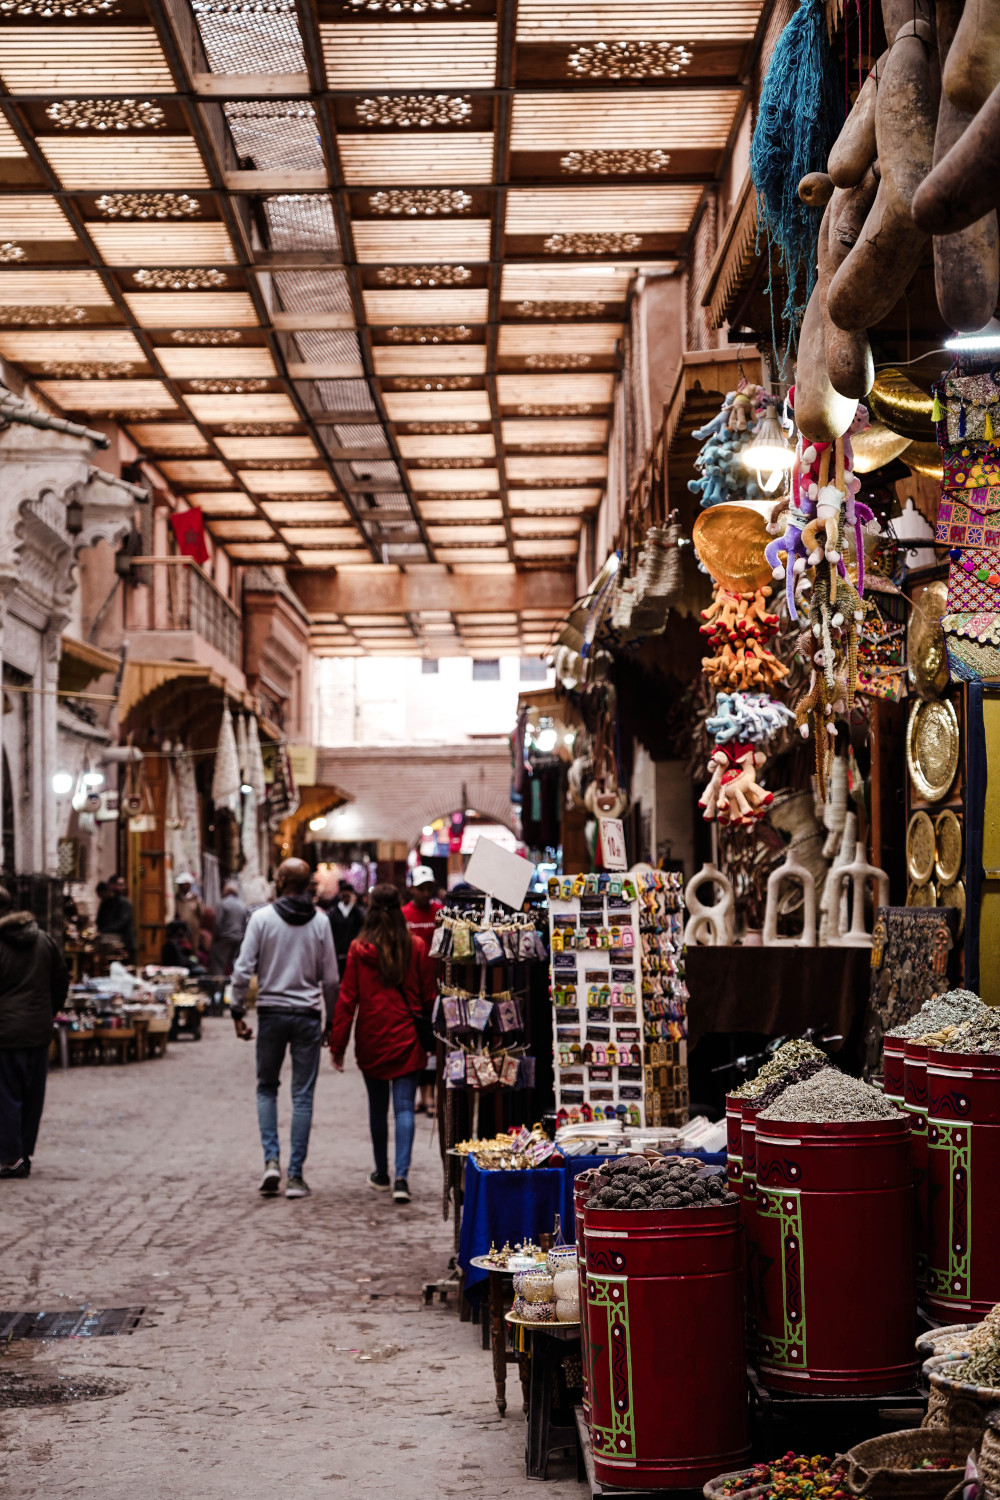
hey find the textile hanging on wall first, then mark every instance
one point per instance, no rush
(242, 748)
(254, 767)
(911, 959)
(187, 854)
(226, 775)
(211, 885)
(172, 839)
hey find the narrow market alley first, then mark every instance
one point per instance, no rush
(284, 1348)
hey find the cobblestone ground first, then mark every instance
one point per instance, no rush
(288, 1351)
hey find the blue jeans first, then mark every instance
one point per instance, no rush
(404, 1091)
(301, 1034)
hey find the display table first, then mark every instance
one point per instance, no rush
(777, 991)
(498, 1333)
(507, 1207)
(546, 1347)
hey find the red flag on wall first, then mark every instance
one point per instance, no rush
(189, 530)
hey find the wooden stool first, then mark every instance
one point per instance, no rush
(80, 1045)
(116, 1038)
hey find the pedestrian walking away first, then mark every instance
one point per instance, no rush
(33, 986)
(347, 917)
(231, 917)
(388, 988)
(421, 918)
(289, 946)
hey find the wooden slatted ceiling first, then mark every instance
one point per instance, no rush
(190, 364)
(688, 21)
(420, 359)
(121, 60)
(84, 164)
(32, 217)
(654, 210)
(378, 243)
(417, 55)
(155, 244)
(70, 343)
(461, 306)
(192, 310)
(559, 338)
(607, 119)
(433, 157)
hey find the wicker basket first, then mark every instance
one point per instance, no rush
(956, 1403)
(989, 1460)
(951, 1340)
(713, 1490)
(887, 1467)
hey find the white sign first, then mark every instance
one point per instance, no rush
(613, 844)
(498, 872)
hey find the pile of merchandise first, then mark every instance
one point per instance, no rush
(671, 1182)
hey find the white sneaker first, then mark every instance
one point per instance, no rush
(296, 1187)
(271, 1179)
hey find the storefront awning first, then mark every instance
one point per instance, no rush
(80, 664)
(142, 678)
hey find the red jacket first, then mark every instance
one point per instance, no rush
(385, 1042)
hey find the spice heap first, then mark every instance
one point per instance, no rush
(831, 1096)
(793, 1062)
(980, 1033)
(938, 1014)
(796, 1476)
(983, 1366)
(673, 1182)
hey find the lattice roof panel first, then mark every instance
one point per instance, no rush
(401, 406)
(559, 338)
(410, 55)
(378, 242)
(152, 243)
(86, 60)
(454, 479)
(464, 306)
(218, 503)
(102, 345)
(430, 157)
(27, 217)
(182, 363)
(688, 21)
(85, 163)
(168, 437)
(246, 449)
(528, 501)
(305, 511)
(106, 395)
(39, 288)
(468, 445)
(192, 309)
(523, 526)
(461, 510)
(436, 359)
(583, 430)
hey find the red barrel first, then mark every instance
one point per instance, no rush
(836, 1297)
(748, 1212)
(963, 1170)
(893, 1055)
(734, 1142)
(581, 1192)
(915, 1103)
(668, 1386)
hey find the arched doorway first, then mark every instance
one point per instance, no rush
(446, 842)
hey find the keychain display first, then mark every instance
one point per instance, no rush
(664, 996)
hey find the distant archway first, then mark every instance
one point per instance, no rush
(491, 805)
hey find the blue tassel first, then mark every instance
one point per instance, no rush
(801, 112)
(961, 420)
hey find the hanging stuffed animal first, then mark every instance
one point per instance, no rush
(723, 440)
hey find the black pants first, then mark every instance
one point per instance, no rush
(23, 1071)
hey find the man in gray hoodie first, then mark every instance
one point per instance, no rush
(289, 946)
(33, 985)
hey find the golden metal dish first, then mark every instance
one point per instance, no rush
(932, 745)
(948, 839)
(922, 895)
(920, 848)
(730, 541)
(926, 653)
(954, 895)
(902, 406)
(923, 458)
(877, 446)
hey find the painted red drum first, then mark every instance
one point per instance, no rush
(748, 1212)
(836, 1296)
(893, 1055)
(734, 1142)
(963, 1170)
(581, 1192)
(668, 1388)
(915, 1103)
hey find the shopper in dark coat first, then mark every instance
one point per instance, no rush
(388, 981)
(347, 917)
(33, 986)
(115, 917)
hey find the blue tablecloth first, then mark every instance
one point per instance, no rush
(505, 1207)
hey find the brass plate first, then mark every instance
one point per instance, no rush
(932, 749)
(730, 541)
(877, 446)
(902, 406)
(954, 895)
(925, 459)
(926, 653)
(920, 848)
(948, 837)
(922, 895)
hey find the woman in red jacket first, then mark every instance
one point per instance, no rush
(388, 979)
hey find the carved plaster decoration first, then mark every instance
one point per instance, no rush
(629, 60)
(258, 429)
(449, 463)
(414, 202)
(64, 10)
(404, 7)
(106, 114)
(442, 383)
(194, 279)
(457, 495)
(88, 369)
(11, 252)
(206, 338)
(147, 205)
(611, 242)
(531, 409)
(40, 315)
(229, 387)
(443, 333)
(623, 162)
(560, 309)
(424, 275)
(429, 429)
(557, 361)
(422, 110)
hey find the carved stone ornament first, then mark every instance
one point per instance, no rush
(106, 114)
(531, 409)
(422, 110)
(229, 387)
(10, 252)
(442, 383)
(560, 309)
(206, 338)
(258, 429)
(579, 243)
(629, 60)
(557, 361)
(799, 874)
(414, 202)
(404, 7)
(711, 925)
(449, 463)
(65, 10)
(88, 369)
(623, 162)
(148, 205)
(429, 429)
(40, 315)
(445, 333)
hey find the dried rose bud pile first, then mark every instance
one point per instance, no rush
(796, 1476)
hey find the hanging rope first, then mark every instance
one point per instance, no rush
(800, 116)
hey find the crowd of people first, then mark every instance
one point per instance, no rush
(319, 970)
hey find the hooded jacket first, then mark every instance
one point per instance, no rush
(385, 1040)
(33, 981)
(289, 946)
